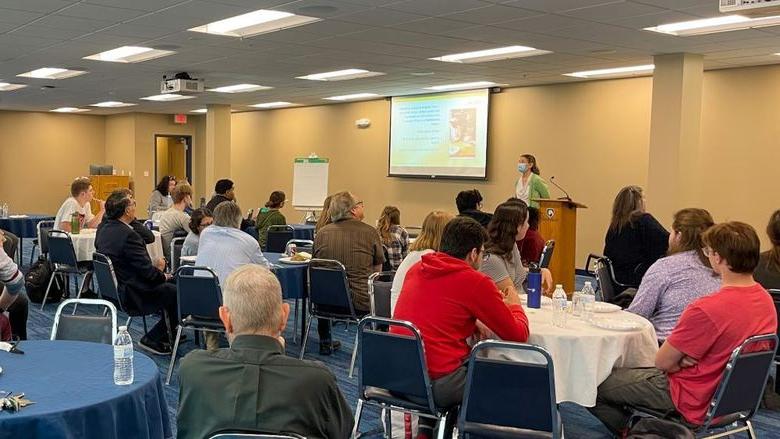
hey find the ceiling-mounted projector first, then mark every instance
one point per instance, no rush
(181, 83)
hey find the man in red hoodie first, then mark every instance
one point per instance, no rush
(444, 295)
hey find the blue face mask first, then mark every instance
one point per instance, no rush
(522, 167)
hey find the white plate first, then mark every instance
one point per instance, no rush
(289, 261)
(604, 307)
(617, 325)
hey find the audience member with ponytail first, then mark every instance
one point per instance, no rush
(270, 216)
(768, 271)
(394, 237)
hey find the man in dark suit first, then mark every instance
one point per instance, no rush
(253, 385)
(143, 285)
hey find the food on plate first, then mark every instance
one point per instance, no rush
(300, 257)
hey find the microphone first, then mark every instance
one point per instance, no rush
(567, 197)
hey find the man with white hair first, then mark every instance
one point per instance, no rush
(253, 385)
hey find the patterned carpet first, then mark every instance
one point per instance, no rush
(578, 423)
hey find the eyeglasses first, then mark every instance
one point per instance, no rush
(485, 255)
(358, 203)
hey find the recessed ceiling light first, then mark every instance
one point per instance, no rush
(69, 110)
(239, 88)
(352, 97)
(7, 86)
(167, 97)
(129, 54)
(255, 23)
(341, 75)
(462, 86)
(273, 104)
(496, 54)
(724, 23)
(52, 73)
(112, 104)
(200, 110)
(617, 71)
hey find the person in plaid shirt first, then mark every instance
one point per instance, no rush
(394, 237)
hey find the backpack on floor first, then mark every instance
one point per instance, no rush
(37, 279)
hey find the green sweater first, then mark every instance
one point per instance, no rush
(537, 189)
(265, 219)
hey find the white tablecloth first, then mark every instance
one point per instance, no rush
(584, 355)
(84, 244)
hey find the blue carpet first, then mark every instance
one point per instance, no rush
(578, 423)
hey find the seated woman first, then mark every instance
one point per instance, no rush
(768, 271)
(161, 196)
(675, 281)
(532, 245)
(270, 216)
(427, 242)
(324, 218)
(200, 219)
(635, 239)
(394, 237)
(502, 260)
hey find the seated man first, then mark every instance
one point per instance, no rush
(444, 295)
(81, 194)
(174, 219)
(356, 245)
(690, 363)
(469, 204)
(253, 385)
(143, 285)
(224, 190)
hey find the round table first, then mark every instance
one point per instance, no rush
(303, 231)
(72, 385)
(84, 244)
(584, 355)
(23, 226)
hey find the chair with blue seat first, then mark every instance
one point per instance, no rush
(199, 298)
(100, 328)
(277, 238)
(524, 385)
(393, 374)
(176, 246)
(329, 291)
(62, 256)
(739, 392)
(775, 293)
(379, 285)
(604, 272)
(42, 240)
(108, 287)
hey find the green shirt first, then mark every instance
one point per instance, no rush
(253, 385)
(265, 219)
(537, 189)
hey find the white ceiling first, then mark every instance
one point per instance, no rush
(392, 36)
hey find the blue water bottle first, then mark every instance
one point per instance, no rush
(534, 286)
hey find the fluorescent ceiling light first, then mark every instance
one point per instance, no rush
(200, 110)
(255, 23)
(463, 86)
(341, 75)
(273, 104)
(239, 88)
(112, 104)
(352, 97)
(725, 23)
(69, 110)
(129, 54)
(617, 71)
(167, 97)
(7, 86)
(496, 54)
(52, 73)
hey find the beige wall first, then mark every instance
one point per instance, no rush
(41, 154)
(120, 142)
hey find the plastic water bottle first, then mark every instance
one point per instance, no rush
(4, 210)
(560, 303)
(123, 358)
(534, 286)
(588, 300)
(576, 303)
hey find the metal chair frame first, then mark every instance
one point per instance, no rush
(98, 302)
(308, 247)
(175, 259)
(603, 262)
(99, 258)
(247, 435)
(547, 254)
(278, 228)
(41, 240)
(378, 277)
(65, 268)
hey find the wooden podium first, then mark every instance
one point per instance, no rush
(558, 221)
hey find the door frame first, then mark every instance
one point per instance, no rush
(188, 156)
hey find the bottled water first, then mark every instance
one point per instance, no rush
(576, 304)
(123, 358)
(4, 210)
(559, 306)
(588, 300)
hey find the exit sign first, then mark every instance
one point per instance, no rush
(180, 119)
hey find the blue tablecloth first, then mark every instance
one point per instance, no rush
(292, 277)
(72, 385)
(303, 231)
(24, 227)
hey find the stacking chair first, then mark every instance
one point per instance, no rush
(278, 237)
(238, 435)
(301, 245)
(393, 375)
(176, 245)
(609, 287)
(525, 389)
(62, 255)
(547, 254)
(42, 240)
(329, 290)
(199, 298)
(379, 285)
(108, 287)
(775, 293)
(95, 328)
(739, 392)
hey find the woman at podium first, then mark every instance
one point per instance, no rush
(530, 185)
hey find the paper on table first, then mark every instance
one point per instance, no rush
(17, 216)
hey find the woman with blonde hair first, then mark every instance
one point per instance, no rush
(394, 237)
(324, 215)
(428, 242)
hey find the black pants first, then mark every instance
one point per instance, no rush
(17, 315)
(162, 297)
(323, 325)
